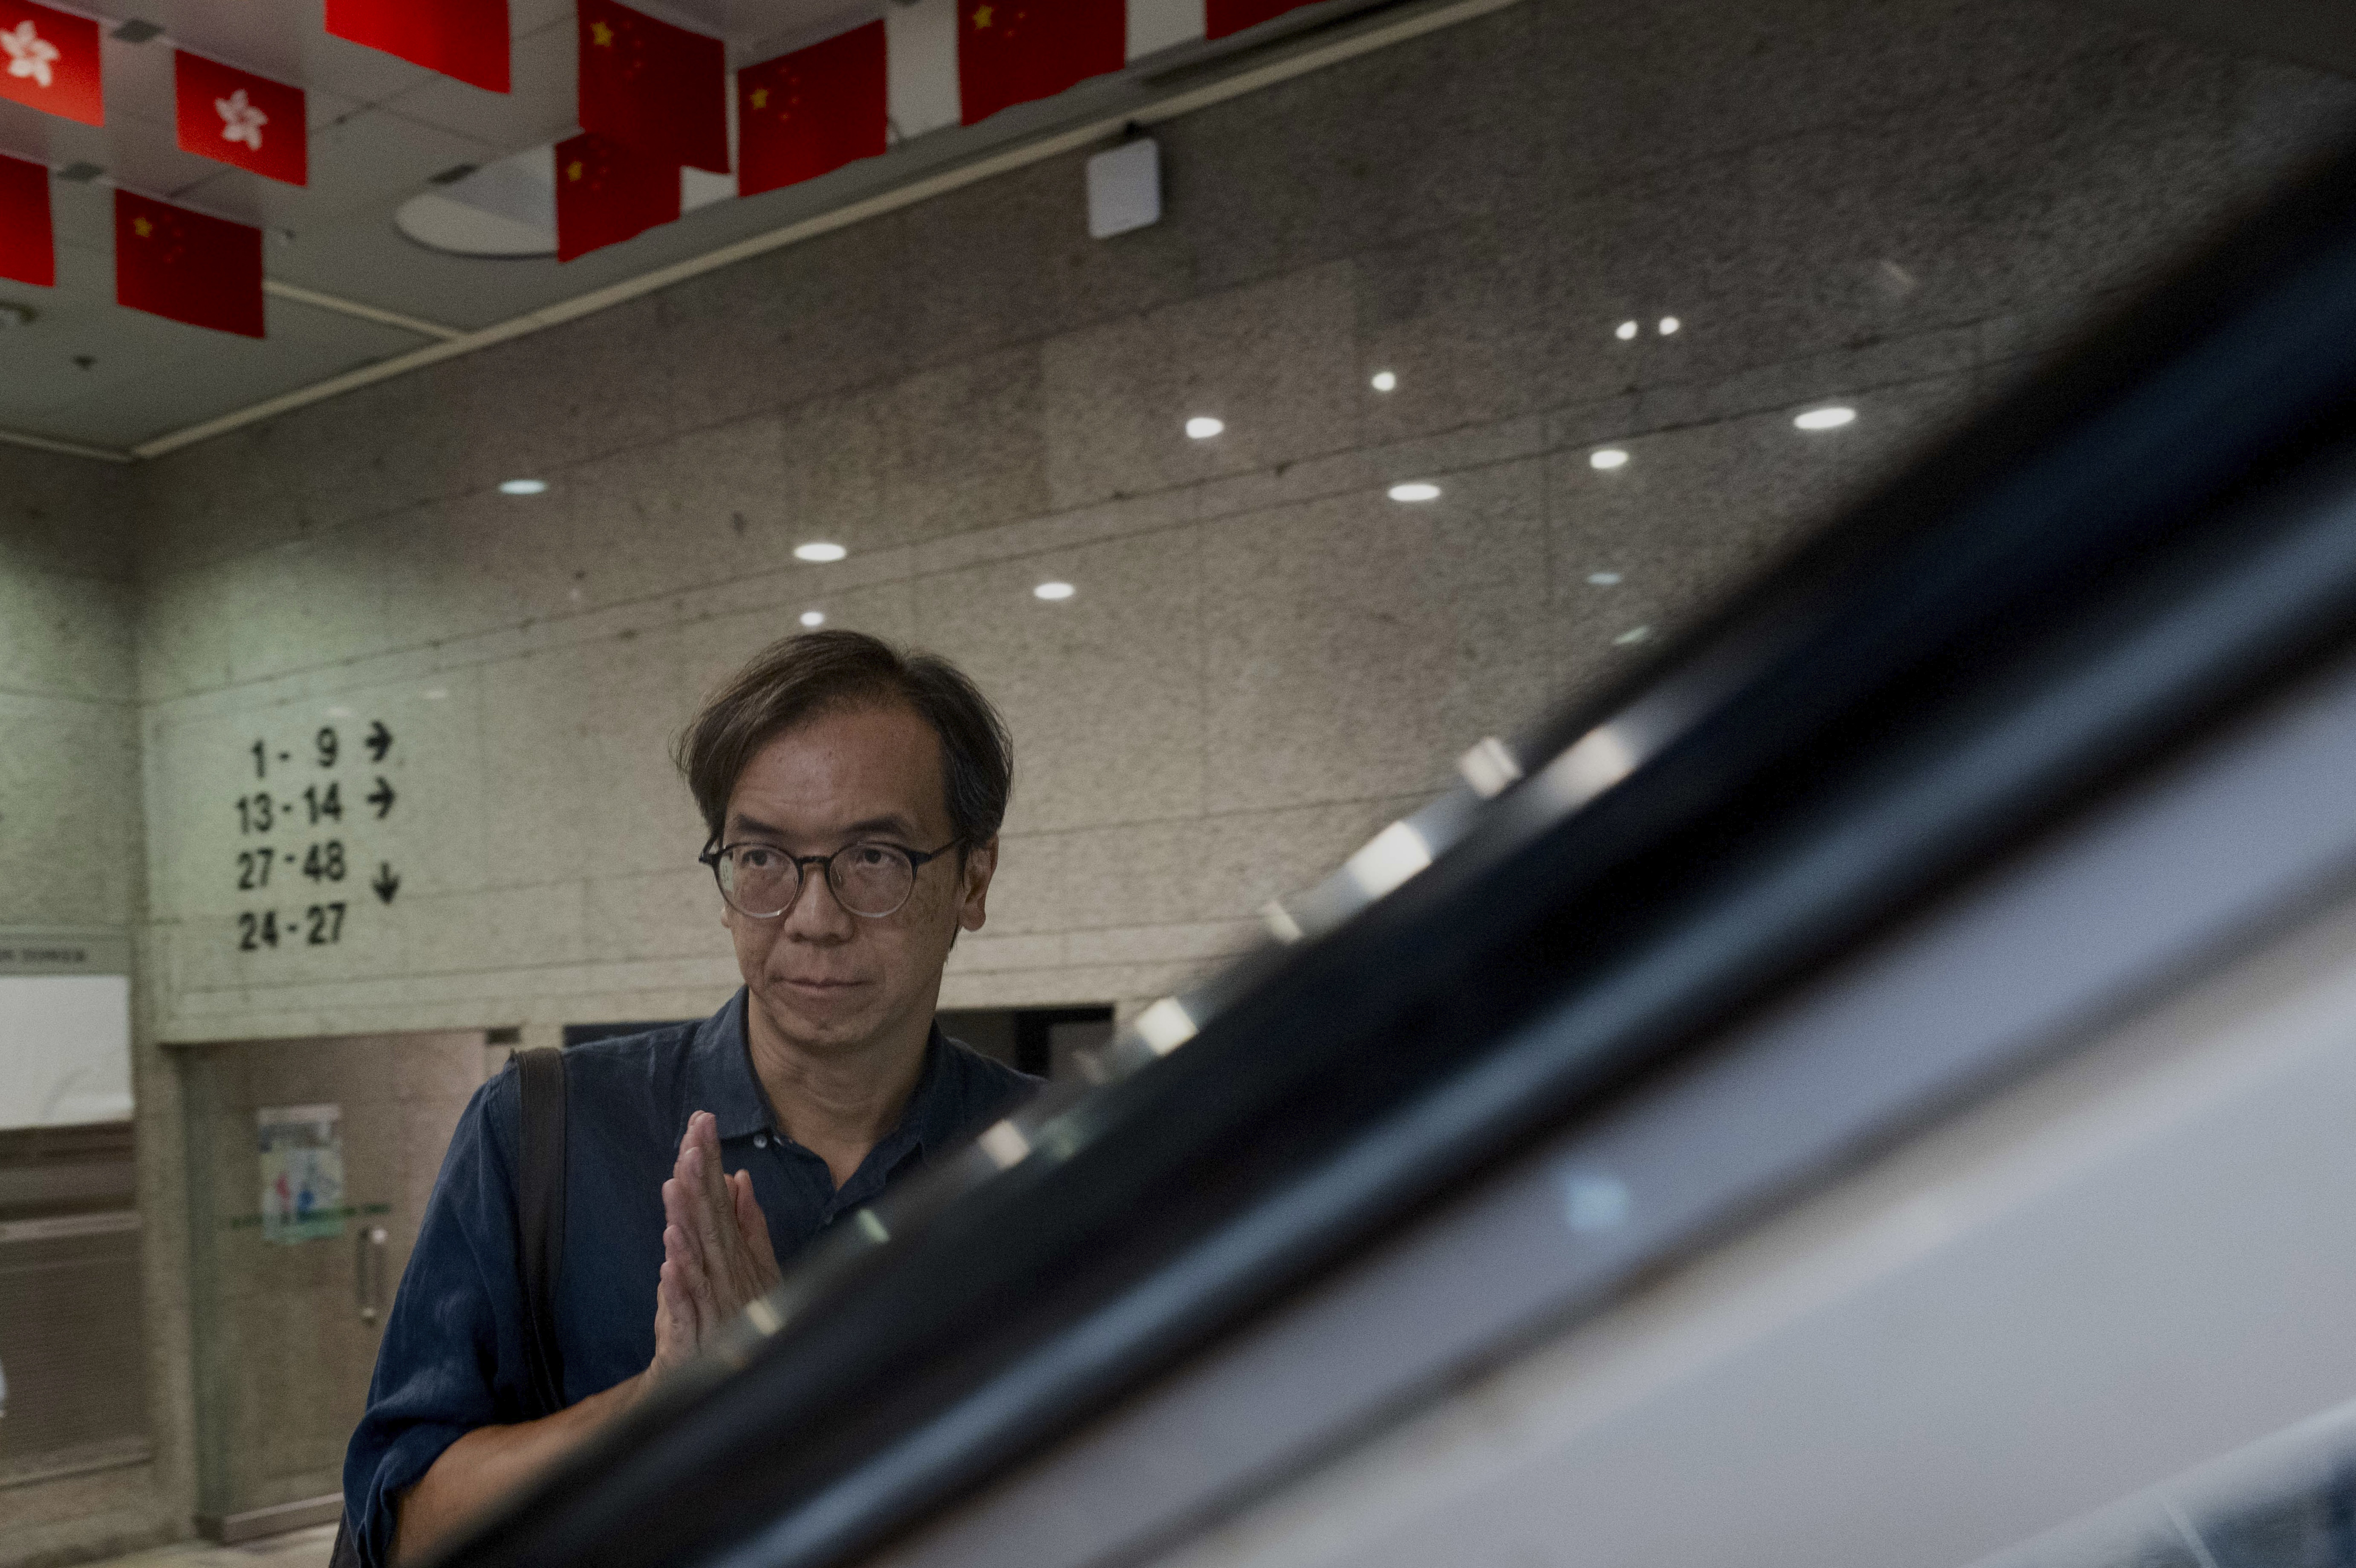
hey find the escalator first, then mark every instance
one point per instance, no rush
(2049, 738)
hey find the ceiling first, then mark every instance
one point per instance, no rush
(88, 372)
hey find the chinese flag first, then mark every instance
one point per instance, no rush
(606, 193)
(173, 262)
(1011, 51)
(241, 118)
(658, 89)
(815, 109)
(1223, 16)
(465, 38)
(27, 253)
(50, 61)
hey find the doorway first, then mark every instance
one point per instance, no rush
(309, 1165)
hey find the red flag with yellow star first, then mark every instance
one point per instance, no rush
(606, 193)
(28, 251)
(659, 90)
(1011, 51)
(817, 109)
(186, 266)
(463, 38)
(49, 60)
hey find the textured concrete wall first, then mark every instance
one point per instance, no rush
(69, 777)
(71, 857)
(1266, 659)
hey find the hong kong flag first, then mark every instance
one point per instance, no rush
(51, 61)
(1221, 17)
(241, 118)
(606, 193)
(173, 262)
(26, 250)
(1011, 51)
(465, 38)
(658, 89)
(815, 109)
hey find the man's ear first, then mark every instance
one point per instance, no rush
(981, 864)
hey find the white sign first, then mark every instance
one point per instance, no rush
(65, 1050)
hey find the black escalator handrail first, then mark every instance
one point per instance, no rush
(2080, 577)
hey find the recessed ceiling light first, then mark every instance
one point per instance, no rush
(522, 486)
(1625, 332)
(819, 549)
(1605, 578)
(1633, 635)
(1415, 490)
(1669, 325)
(1052, 590)
(1385, 381)
(1608, 457)
(813, 617)
(1203, 427)
(1831, 417)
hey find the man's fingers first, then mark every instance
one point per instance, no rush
(704, 1128)
(702, 1220)
(753, 1229)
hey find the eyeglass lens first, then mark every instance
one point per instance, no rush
(873, 879)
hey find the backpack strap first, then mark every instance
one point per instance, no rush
(539, 1219)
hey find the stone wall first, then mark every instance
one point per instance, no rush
(1266, 658)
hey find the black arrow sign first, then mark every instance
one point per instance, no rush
(386, 883)
(380, 742)
(381, 797)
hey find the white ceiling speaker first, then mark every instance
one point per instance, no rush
(1125, 188)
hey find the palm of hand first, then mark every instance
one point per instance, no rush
(717, 1257)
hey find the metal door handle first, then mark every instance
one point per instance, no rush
(368, 1272)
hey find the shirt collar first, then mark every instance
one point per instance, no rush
(720, 1079)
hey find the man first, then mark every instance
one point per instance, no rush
(853, 796)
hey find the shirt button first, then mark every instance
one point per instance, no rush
(760, 1140)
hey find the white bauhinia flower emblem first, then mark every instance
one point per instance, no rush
(29, 54)
(241, 120)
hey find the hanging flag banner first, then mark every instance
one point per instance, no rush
(606, 193)
(659, 90)
(186, 266)
(817, 109)
(28, 251)
(1013, 51)
(241, 118)
(1222, 17)
(463, 38)
(49, 60)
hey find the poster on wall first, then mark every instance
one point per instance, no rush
(302, 1172)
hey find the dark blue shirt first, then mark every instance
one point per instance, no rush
(453, 1359)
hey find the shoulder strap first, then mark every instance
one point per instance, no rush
(540, 1218)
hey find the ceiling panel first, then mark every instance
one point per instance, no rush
(187, 372)
(365, 162)
(380, 129)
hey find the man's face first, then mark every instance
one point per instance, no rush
(825, 980)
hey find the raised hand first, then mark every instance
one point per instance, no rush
(716, 1252)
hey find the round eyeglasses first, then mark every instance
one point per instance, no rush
(870, 877)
